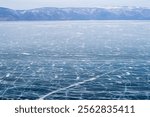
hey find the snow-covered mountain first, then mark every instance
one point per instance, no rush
(51, 13)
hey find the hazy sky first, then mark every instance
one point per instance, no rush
(28, 4)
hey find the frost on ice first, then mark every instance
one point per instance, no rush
(75, 60)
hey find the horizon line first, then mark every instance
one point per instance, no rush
(79, 7)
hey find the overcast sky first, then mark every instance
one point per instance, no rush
(28, 4)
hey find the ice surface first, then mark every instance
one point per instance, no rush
(75, 60)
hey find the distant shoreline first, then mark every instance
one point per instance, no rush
(64, 20)
(74, 14)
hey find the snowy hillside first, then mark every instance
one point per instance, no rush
(50, 13)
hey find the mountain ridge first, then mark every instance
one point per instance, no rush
(75, 13)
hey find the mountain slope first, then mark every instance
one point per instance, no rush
(50, 13)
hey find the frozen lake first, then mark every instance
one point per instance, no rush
(75, 60)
